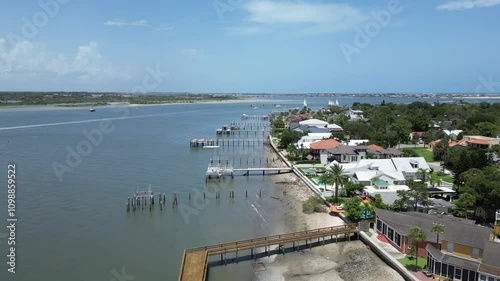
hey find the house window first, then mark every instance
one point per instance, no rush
(390, 234)
(465, 274)
(449, 246)
(475, 253)
(354, 158)
(458, 273)
(397, 239)
(379, 225)
(437, 268)
(482, 278)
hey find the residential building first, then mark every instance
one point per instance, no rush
(395, 227)
(387, 192)
(468, 252)
(354, 114)
(314, 122)
(476, 142)
(309, 129)
(452, 134)
(346, 154)
(320, 148)
(306, 141)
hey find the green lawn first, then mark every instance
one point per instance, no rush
(423, 152)
(410, 263)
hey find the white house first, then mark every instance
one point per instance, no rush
(305, 141)
(354, 114)
(452, 133)
(389, 193)
(314, 122)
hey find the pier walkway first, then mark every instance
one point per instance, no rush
(227, 142)
(263, 170)
(195, 260)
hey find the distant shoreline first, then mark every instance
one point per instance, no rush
(118, 104)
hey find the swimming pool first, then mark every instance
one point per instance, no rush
(309, 171)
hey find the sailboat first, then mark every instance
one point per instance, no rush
(337, 102)
(330, 102)
(305, 103)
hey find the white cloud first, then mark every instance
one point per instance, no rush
(192, 52)
(28, 58)
(121, 23)
(467, 4)
(137, 23)
(305, 16)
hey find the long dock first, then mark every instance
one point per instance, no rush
(263, 170)
(226, 142)
(195, 260)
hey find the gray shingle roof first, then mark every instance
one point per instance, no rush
(455, 230)
(451, 259)
(470, 235)
(491, 254)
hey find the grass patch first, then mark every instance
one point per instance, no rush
(409, 262)
(423, 152)
(368, 233)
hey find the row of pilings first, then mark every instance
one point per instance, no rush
(147, 202)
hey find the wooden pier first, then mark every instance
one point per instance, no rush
(261, 117)
(227, 142)
(195, 260)
(263, 170)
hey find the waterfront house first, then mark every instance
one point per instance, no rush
(346, 154)
(314, 122)
(468, 252)
(309, 129)
(306, 141)
(394, 226)
(464, 251)
(320, 148)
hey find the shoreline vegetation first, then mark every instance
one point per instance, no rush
(84, 99)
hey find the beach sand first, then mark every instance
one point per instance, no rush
(347, 261)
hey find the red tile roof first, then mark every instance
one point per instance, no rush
(374, 147)
(482, 142)
(419, 134)
(325, 144)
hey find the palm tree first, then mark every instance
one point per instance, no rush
(438, 229)
(424, 173)
(416, 235)
(338, 178)
(325, 179)
(468, 200)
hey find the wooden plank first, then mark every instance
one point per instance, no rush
(194, 267)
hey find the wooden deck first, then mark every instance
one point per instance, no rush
(195, 260)
(194, 266)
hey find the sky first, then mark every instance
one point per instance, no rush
(251, 46)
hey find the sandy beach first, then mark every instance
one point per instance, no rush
(348, 261)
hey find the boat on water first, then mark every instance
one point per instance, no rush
(92, 109)
(333, 103)
(305, 103)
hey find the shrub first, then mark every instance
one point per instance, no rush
(313, 204)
